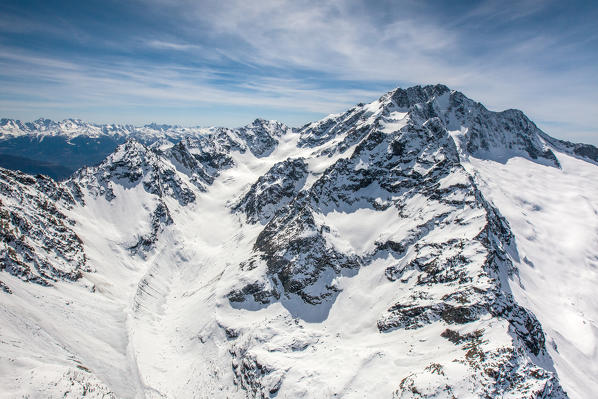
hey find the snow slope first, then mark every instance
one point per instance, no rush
(417, 246)
(553, 214)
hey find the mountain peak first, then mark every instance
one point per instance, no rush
(157, 126)
(259, 121)
(268, 124)
(416, 94)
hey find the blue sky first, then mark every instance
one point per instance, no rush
(227, 62)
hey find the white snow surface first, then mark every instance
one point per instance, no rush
(553, 214)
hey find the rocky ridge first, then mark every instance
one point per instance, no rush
(453, 261)
(60, 148)
(38, 242)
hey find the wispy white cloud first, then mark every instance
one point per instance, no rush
(506, 10)
(163, 45)
(74, 85)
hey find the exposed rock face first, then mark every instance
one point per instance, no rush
(580, 150)
(39, 244)
(275, 189)
(159, 219)
(133, 163)
(261, 136)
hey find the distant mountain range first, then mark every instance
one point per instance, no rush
(419, 246)
(57, 149)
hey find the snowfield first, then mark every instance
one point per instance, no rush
(554, 216)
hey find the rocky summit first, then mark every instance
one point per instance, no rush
(419, 246)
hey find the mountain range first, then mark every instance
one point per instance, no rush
(419, 246)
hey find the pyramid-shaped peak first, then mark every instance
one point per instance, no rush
(159, 126)
(261, 122)
(417, 94)
(44, 122)
(130, 149)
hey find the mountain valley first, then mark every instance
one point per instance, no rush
(419, 246)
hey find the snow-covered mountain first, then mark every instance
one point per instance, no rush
(57, 149)
(71, 128)
(418, 246)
